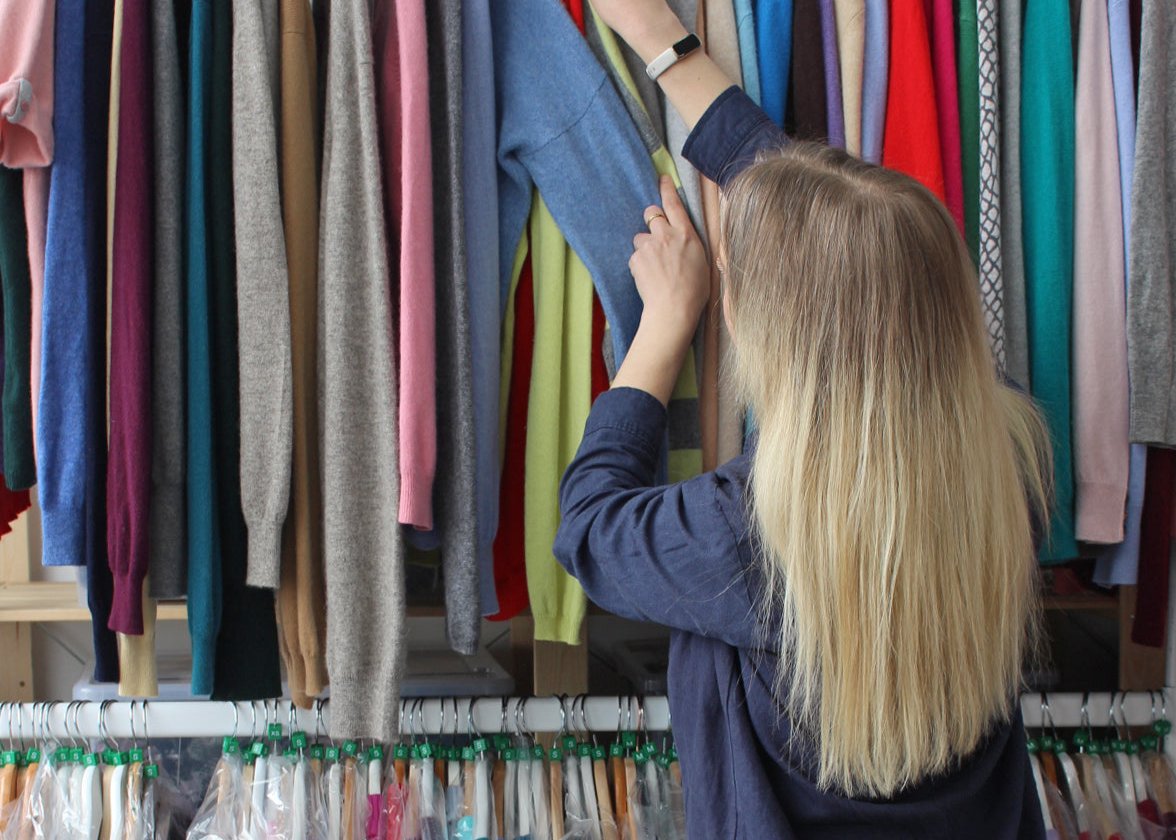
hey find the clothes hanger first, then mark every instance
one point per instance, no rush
(523, 805)
(300, 782)
(498, 775)
(114, 778)
(134, 780)
(540, 811)
(73, 788)
(629, 739)
(277, 766)
(556, 769)
(584, 759)
(91, 806)
(609, 829)
(483, 790)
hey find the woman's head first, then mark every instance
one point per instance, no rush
(894, 477)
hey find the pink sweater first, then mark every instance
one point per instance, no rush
(26, 83)
(402, 90)
(1100, 411)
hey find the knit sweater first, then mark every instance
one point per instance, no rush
(968, 54)
(357, 397)
(875, 77)
(480, 190)
(204, 568)
(807, 117)
(263, 293)
(62, 419)
(1047, 177)
(455, 491)
(851, 37)
(128, 474)
(722, 37)
(242, 671)
(835, 110)
(36, 205)
(19, 465)
(1016, 335)
(302, 602)
(1151, 313)
(911, 142)
(745, 29)
(947, 104)
(26, 83)
(1100, 416)
(167, 525)
(1119, 564)
(774, 53)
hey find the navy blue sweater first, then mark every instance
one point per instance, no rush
(680, 555)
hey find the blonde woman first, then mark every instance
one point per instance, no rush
(853, 599)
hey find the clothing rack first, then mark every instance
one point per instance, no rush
(447, 716)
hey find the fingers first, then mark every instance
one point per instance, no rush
(672, 205)
(639, 239)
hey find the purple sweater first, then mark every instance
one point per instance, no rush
(128, 471)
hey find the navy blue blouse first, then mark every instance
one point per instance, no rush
(680, 555)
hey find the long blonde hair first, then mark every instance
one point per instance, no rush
(895, 481)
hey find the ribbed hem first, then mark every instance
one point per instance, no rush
(265, 554)
(63, 540)
(366, 705)
(126, 611)
(1100, 511)
(314, 672)
(203, 665)
(564, 628)
(416, 500)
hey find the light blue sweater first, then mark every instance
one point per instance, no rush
(875, 78)
(563, 129)
(745, 28)
(63, 450)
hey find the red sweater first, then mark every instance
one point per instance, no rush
(911, 139)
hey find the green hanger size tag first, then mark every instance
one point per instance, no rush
(537, 753)
(640, 758)
(8, 757)
(151, 771)
(662, 759)
(569, 743)
(376, 753)
(1162, 726)
(61, 756)
(510, 754)
(674, 753)
(501, 742)
(616, 750)
(298, 740)
(332, 753)
(136, 756)
(414, 753)
(467, 754)
(650, 749)
(258, 748)
(274, 732)
(230, 746)
(426, 750)
(350, 748)
(556, 754)
(1149, 742)
(584, 750)
(598, 753)
(90, 760)
(481, 745)
(318, 752)
(33, 756)
(400, 752)
(629, 739)
(75, 754)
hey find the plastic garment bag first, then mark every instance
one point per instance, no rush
(540, 797)
(36, 813)
(219, 816)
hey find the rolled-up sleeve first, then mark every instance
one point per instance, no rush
(667, 554)
(729, 136)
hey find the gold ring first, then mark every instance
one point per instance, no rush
(649, 221)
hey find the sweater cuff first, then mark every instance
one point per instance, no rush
(63, 543)
(416, 500)
(265, 554)
(126, 611)
(366, 705)
(1100, 511)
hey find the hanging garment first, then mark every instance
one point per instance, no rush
(26, 84)
(128, 474)
(911, 141)
(1159, 505)
(1047, 177)
(807, 117)
(167, 515)
(1012, 259)
(1119, 564)
(302, 601)
(851, 44)
(722, 36)
(1100, 420)
(403, 94)
(19, 465)
(968, 57)
(1151, 314)
(745, 28)
(480, 220)
(242, 671)
(675, 130)
(204, 568)
(455, 491)
(36, 203)
(774, 53)
(517, 358)
(835, 112)
(62, 420)
(941, 30)
(362, 548)
(875, 78)
(989, 264)
(137, 666)
(99, 584)
(263, 288)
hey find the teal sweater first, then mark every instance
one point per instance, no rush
(1047, 183)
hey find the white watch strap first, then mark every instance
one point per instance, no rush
(672, 56)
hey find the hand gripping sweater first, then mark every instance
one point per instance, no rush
(362, 546)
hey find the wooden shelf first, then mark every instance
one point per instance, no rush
(1084, 601)
(50, 601)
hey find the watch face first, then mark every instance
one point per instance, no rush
(686, 45)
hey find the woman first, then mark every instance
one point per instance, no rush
(854, 599)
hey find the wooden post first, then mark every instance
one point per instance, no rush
(560, 668)
(16, 677)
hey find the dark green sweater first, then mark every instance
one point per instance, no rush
(20, 471)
